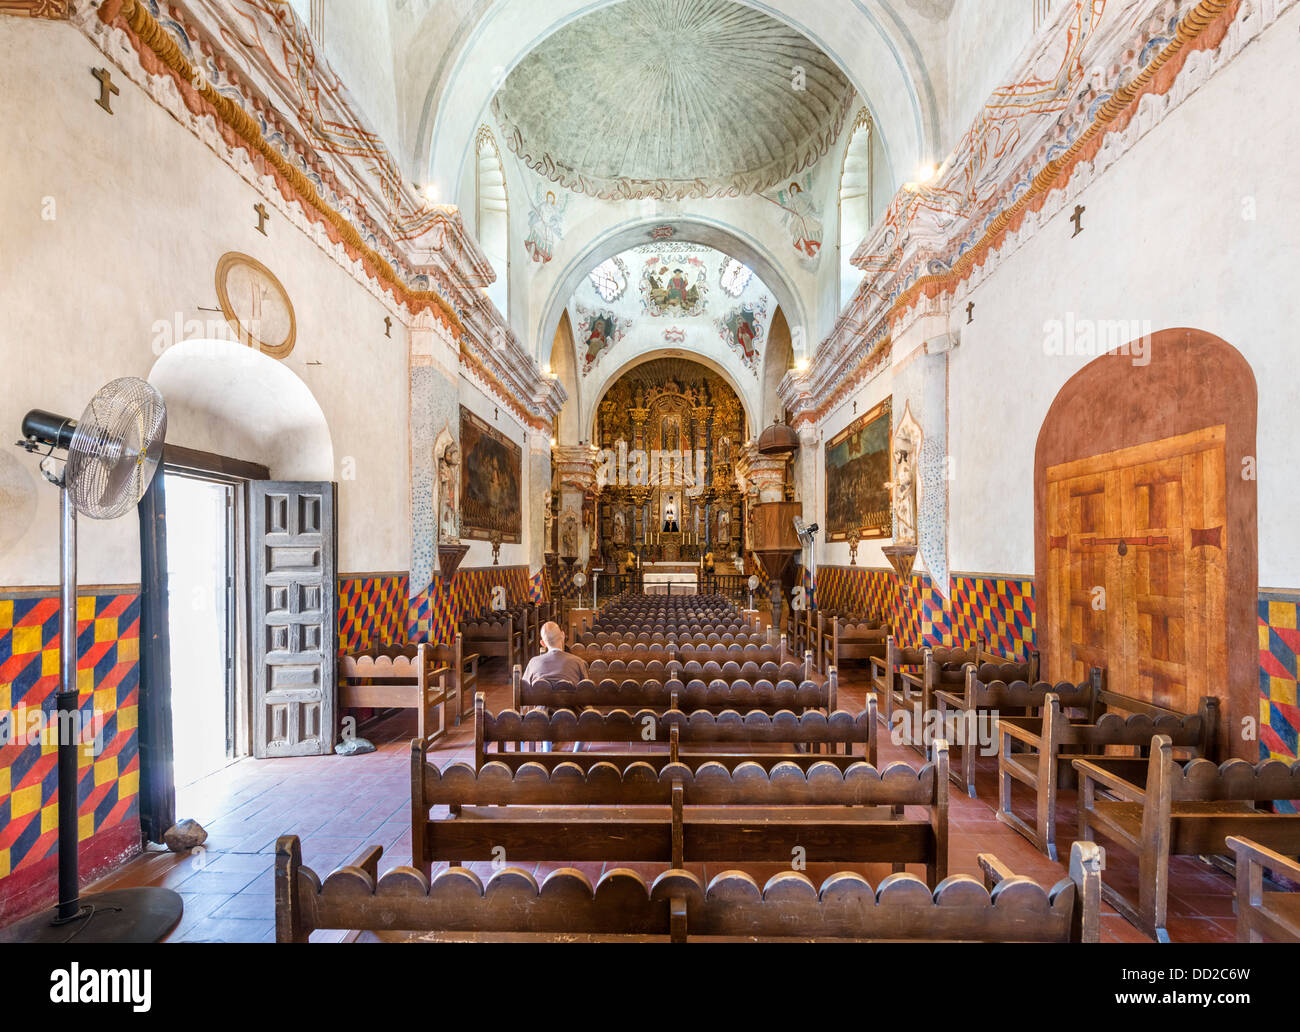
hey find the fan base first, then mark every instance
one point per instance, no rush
(123, 915)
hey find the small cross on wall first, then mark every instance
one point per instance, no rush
(262, 216)
(388, 326)
(970, 311)
(107, 91)
(1077, 219)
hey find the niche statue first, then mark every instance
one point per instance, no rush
(448, 485)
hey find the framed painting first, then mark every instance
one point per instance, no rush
(857, 470)
(491, 478)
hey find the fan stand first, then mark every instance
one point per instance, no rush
(122, 915)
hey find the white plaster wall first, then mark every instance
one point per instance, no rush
(983, 41)
(143, 212)
(1164, 241)
(358, 41)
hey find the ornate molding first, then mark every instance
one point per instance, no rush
(936, 241)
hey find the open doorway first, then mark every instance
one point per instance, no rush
(201, 588)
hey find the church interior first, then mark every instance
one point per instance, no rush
(868, 406)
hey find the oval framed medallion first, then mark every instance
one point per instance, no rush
(256, 304)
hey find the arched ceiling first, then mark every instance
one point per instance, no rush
(456, 55)
(673, 98)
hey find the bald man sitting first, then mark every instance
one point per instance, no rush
(554, 664)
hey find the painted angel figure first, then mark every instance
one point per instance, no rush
(903, 486)
(545, 225)
(801, 219)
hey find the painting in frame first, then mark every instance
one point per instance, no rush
(491, 472)
(857, 472)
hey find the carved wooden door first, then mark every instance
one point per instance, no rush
(294, 617)
(1136, 569)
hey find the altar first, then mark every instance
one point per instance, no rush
(670, 579)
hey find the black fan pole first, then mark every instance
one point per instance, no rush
(67, 713)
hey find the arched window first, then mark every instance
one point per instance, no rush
(855, 202)
(493, 227)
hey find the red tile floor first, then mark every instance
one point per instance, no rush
(339, 805)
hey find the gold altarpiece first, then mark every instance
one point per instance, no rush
(674, 428)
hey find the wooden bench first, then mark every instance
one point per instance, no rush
(847, 639)
(1271, 916)
(402, 677)
(900, 677)
(491, 636)
(1156, 808)
(678, 906)
(1051, 741)
(990, 690)
(683, 692)
(679, 815)
(830, 737)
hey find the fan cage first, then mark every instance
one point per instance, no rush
(115, 448)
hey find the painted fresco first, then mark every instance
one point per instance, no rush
(491, 477)
(674, 285)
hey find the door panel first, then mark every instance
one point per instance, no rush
(294, 620)
(1146, 527)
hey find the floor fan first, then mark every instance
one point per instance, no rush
(111, 455)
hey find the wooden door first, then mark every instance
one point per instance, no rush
(294, 620)
(1136, 573)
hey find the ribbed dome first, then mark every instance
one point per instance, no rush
(672, 98)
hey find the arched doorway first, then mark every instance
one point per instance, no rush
(1145, 527)
(238, 536)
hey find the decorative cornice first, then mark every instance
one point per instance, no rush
(927, 248)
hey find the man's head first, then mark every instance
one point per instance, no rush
(552, 636)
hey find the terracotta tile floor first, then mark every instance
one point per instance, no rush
(338, 805)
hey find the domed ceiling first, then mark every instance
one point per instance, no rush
(672, 98)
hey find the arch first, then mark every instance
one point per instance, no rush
(1133, 401)
(492, 215)
(616, 239)
(875, 50)
(854, 203)
(564, 366)
(649, 356)
(227, 398)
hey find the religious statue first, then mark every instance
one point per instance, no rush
(620, 528)
(448, 484)
(903, 486)
(569, 534)
(724, 526)
(548, 516)
(670, 517)
(638, 396)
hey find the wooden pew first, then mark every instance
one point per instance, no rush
(678, 906)
(495, 636)
(1271, 916)
(677, 815)
(684, 691)
(1156, 808)
(840, 738)
(852, 638)
(1051, 741)
(991, 690)
(404, 677)
(464, 672)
